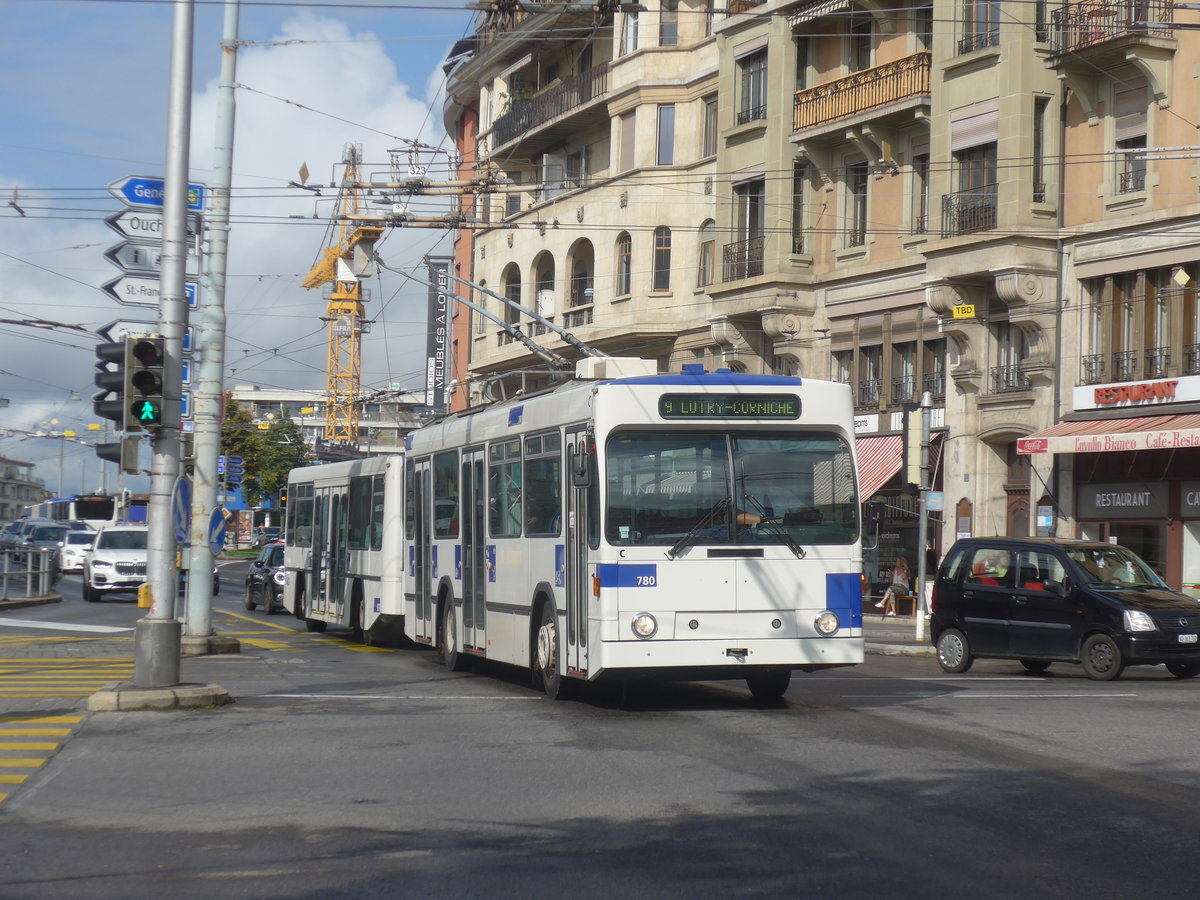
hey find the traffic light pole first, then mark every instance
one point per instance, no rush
(157, 636)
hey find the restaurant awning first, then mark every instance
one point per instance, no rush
(1112, 435)
(879, 458)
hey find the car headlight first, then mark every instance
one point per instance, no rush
(827, 623)
(280, 577)
(100, 564)
(1136, 620)
(644, 626)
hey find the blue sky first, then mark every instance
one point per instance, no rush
(84, 104)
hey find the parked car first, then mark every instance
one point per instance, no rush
(21, 540)
(74, 550)
(8, 535)
(266, 578)
(1046, 600)
(263, 535)
(45, 537)
(116, 562)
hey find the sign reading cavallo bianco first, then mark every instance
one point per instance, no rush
(729, 406)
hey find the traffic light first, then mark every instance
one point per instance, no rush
(109, 402)
(123, 452)
(144, 382)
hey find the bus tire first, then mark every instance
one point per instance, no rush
(547, 655)
(769, 685)
(452, 656)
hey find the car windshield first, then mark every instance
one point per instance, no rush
(83, 538)
(1114, 567)
(275, 556)
(697, 487)
(48, 533)
(122, 540)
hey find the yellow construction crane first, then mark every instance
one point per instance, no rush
(343, 265)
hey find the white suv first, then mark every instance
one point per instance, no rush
(117, 561)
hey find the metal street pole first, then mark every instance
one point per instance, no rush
(210, 340)
(156, 663)
(923, 519)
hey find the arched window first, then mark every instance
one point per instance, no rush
(481, 300)
(624, 285)
(662, 259)
(512, 290)
(708, 253)
(543, 279)
(583, 268)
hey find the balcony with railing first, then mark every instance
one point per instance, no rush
(966, 212)
(985, 34)
(934, 384)
(550, 105)
(1132, 180)
(902, 388)
(1158, 362)
(574, 318)
(1191, 359)
(868, 394)
(1094, 367)
(1125, 365)
(743, 259)
(1008, 379)
(879, 86)
(1078, 27)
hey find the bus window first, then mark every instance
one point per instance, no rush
(359, 519)
(410, 504)
(304, 516)
(377, 513)
(504, 488)
(543, 482)
(445, 495)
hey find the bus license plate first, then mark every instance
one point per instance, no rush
(1187, 639)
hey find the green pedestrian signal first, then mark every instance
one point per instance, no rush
(147, 413)
(145, 358)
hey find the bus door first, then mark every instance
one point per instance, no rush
(423, 628)
(580, 473)
(473, 510)
(330, 558)
(319, 560)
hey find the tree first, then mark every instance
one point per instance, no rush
(268, 454)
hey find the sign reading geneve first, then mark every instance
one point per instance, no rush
(147, 191)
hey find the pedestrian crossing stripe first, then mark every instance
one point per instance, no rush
(267, 644)
(15, 731)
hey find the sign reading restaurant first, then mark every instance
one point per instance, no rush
(1127, 395)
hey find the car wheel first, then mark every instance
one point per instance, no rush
(1184, 669)
(953, 651)
(250, 604)
(90, 594)
(769, 685)
(452, 656)
(270, 602)
(1036, 666)
(1101, 658)
(546, 660)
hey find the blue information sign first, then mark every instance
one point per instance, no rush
(216, 532)
(146, 191)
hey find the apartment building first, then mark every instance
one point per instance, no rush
(19, 488)
(959, 200)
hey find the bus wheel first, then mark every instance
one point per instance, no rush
(555, 686)
(362, 634)
(452, 657)
(769, 685)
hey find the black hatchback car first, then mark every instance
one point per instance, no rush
(266, 578)
(1044, 600)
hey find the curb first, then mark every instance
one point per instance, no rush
(29, 601)
(125, 696)
(879, 649)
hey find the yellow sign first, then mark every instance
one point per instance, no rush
(264, 426)
(95, 427)
(68, 434)
(964, 311)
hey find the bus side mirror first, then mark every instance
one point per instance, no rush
(873, 511)
(581, 467)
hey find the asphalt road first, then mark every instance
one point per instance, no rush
(344, 771)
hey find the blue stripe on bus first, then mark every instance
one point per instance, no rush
(560, 565)
(615, 575)
(514, 414)
(843, 595)
(458, 562)
(719, 378)
(433, 559)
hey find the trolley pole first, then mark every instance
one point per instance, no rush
(156, 662)
(923, 519)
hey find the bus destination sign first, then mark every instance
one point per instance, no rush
(729, 406)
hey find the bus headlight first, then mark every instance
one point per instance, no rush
(827, 623)
(644, 626)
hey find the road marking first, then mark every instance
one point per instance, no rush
(268, 644)
(24, 727)
(63, 626)
(41, 720)
(417, 697)
(34, 732)
(972, 695)
(12, 779)
(258, 622)
(28, 745)
(18, 763)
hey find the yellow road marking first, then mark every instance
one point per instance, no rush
(3, 797)
(267, 644)
(34, 732)
(259, 622)
(28, 745)
(12, 779)
(42, 720)
(21, 763)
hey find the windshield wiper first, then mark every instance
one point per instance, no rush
(776, 527)
(703, 522)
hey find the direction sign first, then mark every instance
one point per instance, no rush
(216, 531)
(233, 479)
(144, 259)
(146, 227)
(147, 192)
(130, 290)
(181, 508)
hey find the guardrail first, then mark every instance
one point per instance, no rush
(26, 574)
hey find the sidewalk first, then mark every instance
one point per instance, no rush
(894, 636)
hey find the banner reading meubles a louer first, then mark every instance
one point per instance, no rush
(437, 356)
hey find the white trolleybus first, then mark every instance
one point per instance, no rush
(695, 526)
(342, 550)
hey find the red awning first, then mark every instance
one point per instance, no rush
(879, 458)
(1112, 435)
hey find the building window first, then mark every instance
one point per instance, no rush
(842, 366)
(802, 45)
(1010, 352)
(799, 177)
(665, 155)
(973, 207)
(481, 300)
(708, 254)
(662, 259)
(629, 33)
(628, 130)
(1129, 131)
(904, 373)
(1040, 107)
(753, 73)
(857, 179)
(750, 210)
(710, 16)
(709, 147)
(920, 223)
(923, 26)
(624, 264)
(870, 369)
(981, 25)
(512, 290)
(858, 56)
(668, 23)
(576, 168)
(512, 200)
